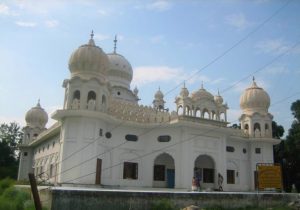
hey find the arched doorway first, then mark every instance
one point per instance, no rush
(204, 171)
(164, 171)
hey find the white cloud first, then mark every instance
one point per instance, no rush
(26, 24)
(238, 21)
(160, 5)
(101, 37)
(272, 46)
(104, 12)
(149, 74)
(51, 23)
(5, 10)
(275, 70)
(157, 39)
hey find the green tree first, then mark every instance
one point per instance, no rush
(10, 137)
(293, 146)
(277, 130)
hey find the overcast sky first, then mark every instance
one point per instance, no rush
(220, 43)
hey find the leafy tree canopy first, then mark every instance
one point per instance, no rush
(10, 137)
(277, 130)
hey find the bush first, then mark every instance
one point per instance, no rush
(162, 205)
(4, 184)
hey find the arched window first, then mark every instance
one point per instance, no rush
(91, 96)
(76, 95)
(205, 114)
(256, 126)
(213, 115)
(197, 112)
(222, 117)
(180, 110)
(246, 127)
(103, 99)
(266, 126)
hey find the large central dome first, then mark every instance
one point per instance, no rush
(89, 61)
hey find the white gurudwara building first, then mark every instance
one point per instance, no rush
(103, 134)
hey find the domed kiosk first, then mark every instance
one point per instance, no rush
(255, 120)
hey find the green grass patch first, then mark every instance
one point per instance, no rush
(12, 198)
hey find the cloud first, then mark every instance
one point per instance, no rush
(272, 46)
(5, 10)
(51, 23)
(275, 70)
(159, 5)
(238, 21)
(26, 24)
(148, 74)
(104, 12)
(157, 39)
(101, 37)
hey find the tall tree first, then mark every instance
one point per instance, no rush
(293, 146)
(10, 137)
(277, 130)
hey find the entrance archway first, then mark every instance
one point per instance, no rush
(164, 171)
(204, 171)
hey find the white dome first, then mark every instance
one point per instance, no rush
(88, 61)
(202, 94)
(120, 71)
(159, 94)
(219, 99)
(184, 93)
(36, 117)
(255, 97)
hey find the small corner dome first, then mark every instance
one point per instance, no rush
(218, 98)
(202, 94)
(120, 71)
(255, 97)
(159, 94)
(36, 117)
(88, 61)
(184, 91)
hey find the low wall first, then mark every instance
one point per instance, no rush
(80, 198)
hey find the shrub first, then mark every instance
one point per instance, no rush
(162, 205)
(4, 184)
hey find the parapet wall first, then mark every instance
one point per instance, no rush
(79, 198)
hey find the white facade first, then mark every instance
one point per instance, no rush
(142, 146)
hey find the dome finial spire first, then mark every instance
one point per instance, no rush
(253, 79)
(202, 85)
(218, 92)
(91, 41)
(38, 103)
(92, 34)
(183, 83)
(115, 43)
